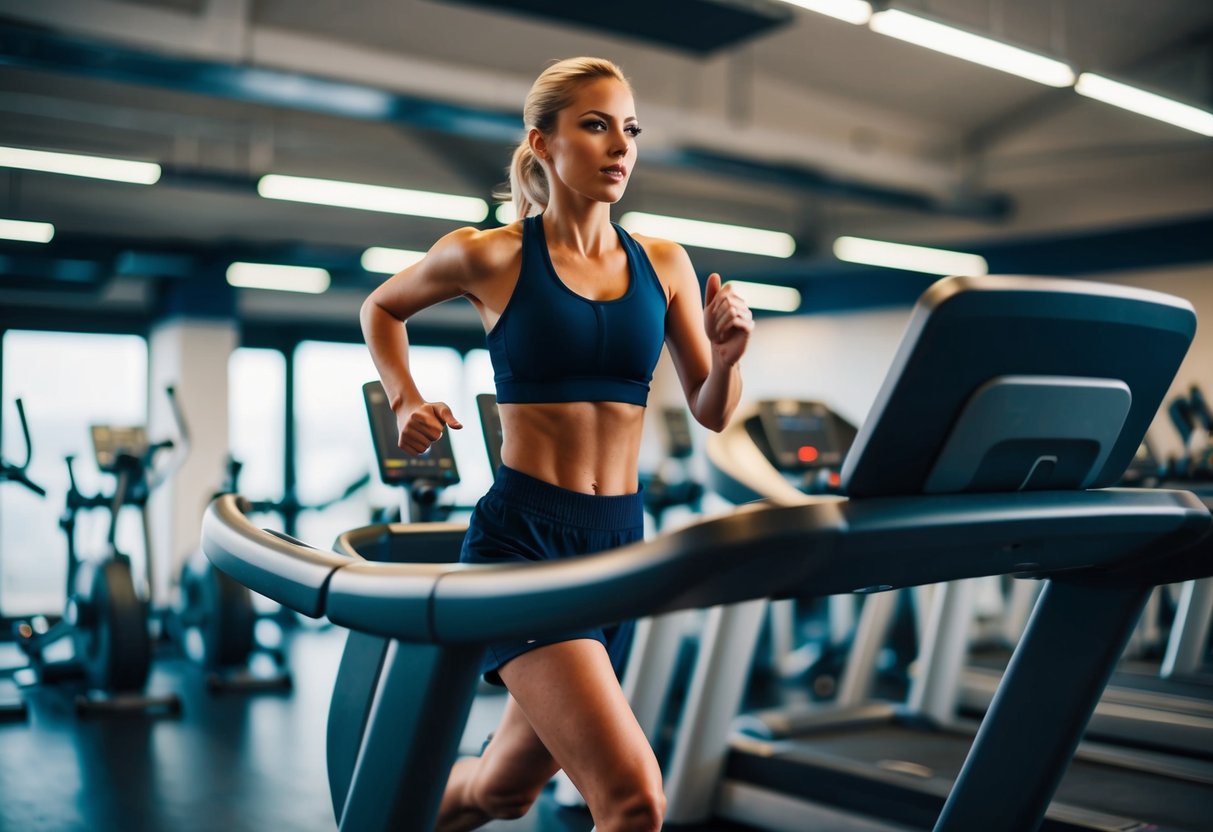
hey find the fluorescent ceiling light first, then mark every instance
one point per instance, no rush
(389, 260)
(26, 232)
(711, 234)
(766, 296)
(506, 213)
(71, 164)
(373, 198)
(852, 11)
(909, 258)
(314, 93)
(306, 279)
(1145, 103)
(970, 47)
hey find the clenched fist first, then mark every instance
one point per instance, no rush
(727, 321)
(421, 426)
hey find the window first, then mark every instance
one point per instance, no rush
(256, 420)
(68, 382)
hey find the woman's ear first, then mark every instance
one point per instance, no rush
(539, 146)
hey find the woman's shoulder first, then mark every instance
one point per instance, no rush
(484, 250)
(663, 254)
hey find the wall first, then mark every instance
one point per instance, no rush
(1195, 284)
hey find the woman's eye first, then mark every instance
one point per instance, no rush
(595, 124)
(635, 131)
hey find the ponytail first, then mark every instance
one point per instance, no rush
(528, 187)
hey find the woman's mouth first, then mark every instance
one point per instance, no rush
(616, 172)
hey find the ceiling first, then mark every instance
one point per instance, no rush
(825, 128)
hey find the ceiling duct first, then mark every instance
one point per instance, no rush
(697, 26)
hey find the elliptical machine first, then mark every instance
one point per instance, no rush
(12, 706)
(214, 618)
(107, 617)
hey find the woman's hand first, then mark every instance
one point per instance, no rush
(421, 426)
(727, 321)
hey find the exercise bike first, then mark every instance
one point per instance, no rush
(107, 618)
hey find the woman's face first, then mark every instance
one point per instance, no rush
(592, 149)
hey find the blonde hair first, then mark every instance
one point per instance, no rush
(552, 91)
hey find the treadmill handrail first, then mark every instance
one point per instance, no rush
(293, 574)
(820, 547)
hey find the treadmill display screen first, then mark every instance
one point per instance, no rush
(395, 466)
(801, 435)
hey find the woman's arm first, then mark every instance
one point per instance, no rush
(706, 341)
(444, 273)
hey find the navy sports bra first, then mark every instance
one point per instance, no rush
(553, 345)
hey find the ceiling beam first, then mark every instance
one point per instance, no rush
(808, 164)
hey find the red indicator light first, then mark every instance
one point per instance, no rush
(807, 453)
(835, 479)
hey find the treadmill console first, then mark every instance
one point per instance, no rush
(490, 423)
(805, 441)
(679, 444)
(397, 467)
(110, 442)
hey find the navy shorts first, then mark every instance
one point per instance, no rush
(522, 518)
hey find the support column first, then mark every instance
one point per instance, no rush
(189, 349)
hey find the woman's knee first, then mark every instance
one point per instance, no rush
(503, 801)
(643, 811)
(636, 804)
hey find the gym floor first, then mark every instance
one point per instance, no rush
(231, 762)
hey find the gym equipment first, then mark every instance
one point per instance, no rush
(213, 621)
(1193, 421)
(12, 706)
(421, 478)
(1160, 700)
(490, 423)
(423, 624)
(107, 618)
(1146, 470)
(806, 443)
(951, 421)
(664, 491)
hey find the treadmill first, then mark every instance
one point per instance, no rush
(898, 762)
(420, 623)
(1162, 705)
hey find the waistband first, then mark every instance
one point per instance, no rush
(530, 494)
(600, 389)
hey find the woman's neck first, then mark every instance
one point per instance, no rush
(584, 228)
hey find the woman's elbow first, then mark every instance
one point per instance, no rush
(372, 311)
(715, 422)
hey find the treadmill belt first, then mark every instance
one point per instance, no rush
(921, 759)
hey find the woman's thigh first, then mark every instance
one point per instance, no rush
(572, 701)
